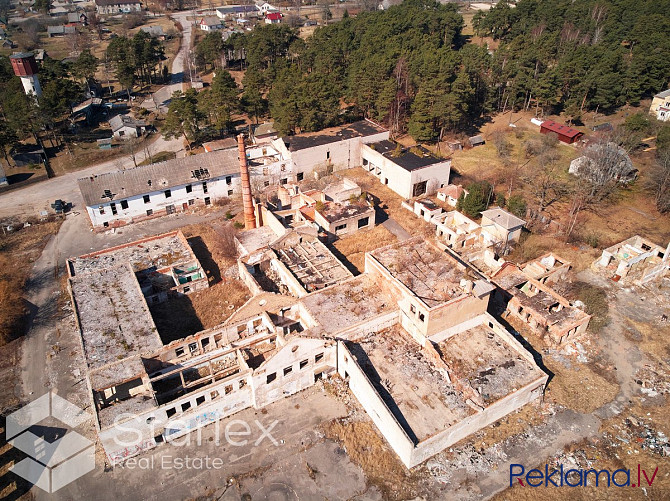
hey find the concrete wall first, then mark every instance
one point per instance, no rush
(455, 312)
(471, 424)
(137, 210)
(292, 369)
(287, 278)
(343, 154)
(388, 172)
(367, 396)
(345, 226)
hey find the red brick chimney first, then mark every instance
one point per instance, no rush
(247, 200)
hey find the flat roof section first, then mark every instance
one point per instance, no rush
(432, 275)
(487, 362)
(421, 398)
(113, 315)
(409, 159)
(168, 249)
(334, 212)
(349, 303)
(361, 128)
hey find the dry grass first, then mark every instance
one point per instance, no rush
(354, 247)
(534, 245)
(654, 342)
(511, 425)
(366, 447)
(18, 250)
(579, 387)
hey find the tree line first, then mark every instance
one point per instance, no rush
(564, 56)
(411, 68)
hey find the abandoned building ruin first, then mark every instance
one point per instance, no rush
(635, 261)
(526, 292)
(411, 336)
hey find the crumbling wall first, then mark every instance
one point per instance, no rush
(292, 369)
(373, 404)
(471, 424)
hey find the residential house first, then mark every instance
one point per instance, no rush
(273, 18)
(507, 227)
(117, 6)
(660, 106)
(59, 31)
(58, 11)
(451, 193)
(210, 24)
(154, 31)
(77, 17)
(230, 12)
(265, 8)
(123, 197)
(125, 126)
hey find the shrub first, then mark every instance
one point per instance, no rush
(477, 200)
(517, 206)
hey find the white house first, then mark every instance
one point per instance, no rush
(125, 126)
(507, 227)
(660, 106)
(122, 197)
(451, 193)
(409, 172)
(210, 24)
(265, 8)
(273, 18)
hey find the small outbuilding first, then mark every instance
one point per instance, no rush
(565, 134)
(476, 141)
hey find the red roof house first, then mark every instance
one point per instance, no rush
(565, 134)
(273, 18)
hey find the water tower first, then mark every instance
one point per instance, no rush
(25, 67)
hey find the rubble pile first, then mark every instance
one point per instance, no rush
(638, 433)
(467, 459)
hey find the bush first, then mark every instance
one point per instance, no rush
(478, 199)
(517, 206)
(238, 225)
(595, 301)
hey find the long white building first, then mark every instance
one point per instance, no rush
(131, 195)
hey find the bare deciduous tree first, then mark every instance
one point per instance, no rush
(659, 181)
